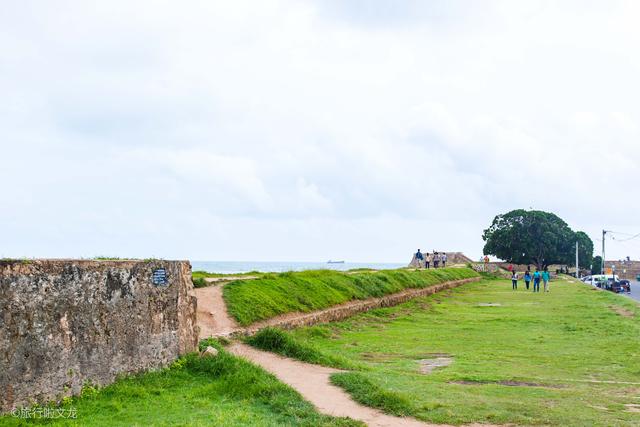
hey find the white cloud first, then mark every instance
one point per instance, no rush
(304, 129)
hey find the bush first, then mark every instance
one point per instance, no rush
(199, 282)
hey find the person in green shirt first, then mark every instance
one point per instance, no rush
(536, 281)
(545, 279)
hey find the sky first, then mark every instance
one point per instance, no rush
(312, 130)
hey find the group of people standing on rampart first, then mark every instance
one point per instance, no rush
(437, 259)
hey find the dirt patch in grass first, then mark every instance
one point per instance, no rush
(508, 383)
(429, 365)
(625, 312)
(378, 357)
(489, 304)
(432, 355)
(632, 407)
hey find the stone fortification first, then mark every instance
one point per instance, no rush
(64, 323)
(625, 269)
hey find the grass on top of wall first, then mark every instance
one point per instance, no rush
(305, 291)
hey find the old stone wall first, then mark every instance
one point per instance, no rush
(64, 323)
(625, 269)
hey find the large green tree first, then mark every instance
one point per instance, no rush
(597, 265)
(585, 249)
(534, 237)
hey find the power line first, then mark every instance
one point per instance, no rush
(620, 232)
(627, 239)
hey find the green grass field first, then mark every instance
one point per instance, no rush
(274, 294)
(220, 391)
(518, 357)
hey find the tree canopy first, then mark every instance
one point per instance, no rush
(585, 249)
(535, 237)
(596, 265)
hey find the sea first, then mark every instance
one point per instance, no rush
(234, 267)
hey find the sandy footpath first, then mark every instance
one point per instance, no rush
(212, 315)
(312, 382)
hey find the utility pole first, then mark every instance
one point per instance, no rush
(577, 264)
(604, 233)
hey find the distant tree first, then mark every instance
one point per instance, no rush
(530, 237)
(596, 265)
(585, 249)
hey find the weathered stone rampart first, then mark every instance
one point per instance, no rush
(625, 269)
(64, 323)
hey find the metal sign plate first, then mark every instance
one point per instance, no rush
(159, 277)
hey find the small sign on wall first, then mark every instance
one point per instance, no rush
(159, 277)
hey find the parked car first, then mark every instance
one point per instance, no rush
(617, 286)
(626, 285)
(600, 279)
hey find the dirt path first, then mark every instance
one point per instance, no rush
(212, 315)
(312, 382)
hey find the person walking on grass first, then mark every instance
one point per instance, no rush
(527, 278)
(427, 260)
(514, 280)
(443, 258)
(436, 259)
(419, 257)
(545, 279)
(536, 281)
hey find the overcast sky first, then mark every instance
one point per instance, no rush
(310, 130)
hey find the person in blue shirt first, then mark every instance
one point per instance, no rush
(545, 279)
(527, 279)
(536, 281)
(419, 258)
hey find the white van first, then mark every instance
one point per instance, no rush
(599, 279)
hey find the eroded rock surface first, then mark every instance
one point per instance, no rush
(67, 322)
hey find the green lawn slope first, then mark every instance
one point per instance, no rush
(274, 294)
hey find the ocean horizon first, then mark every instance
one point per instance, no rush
(233, 267)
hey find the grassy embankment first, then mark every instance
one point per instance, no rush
(569, 357)
(225, 391)
(275, 294)
(199, 277)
